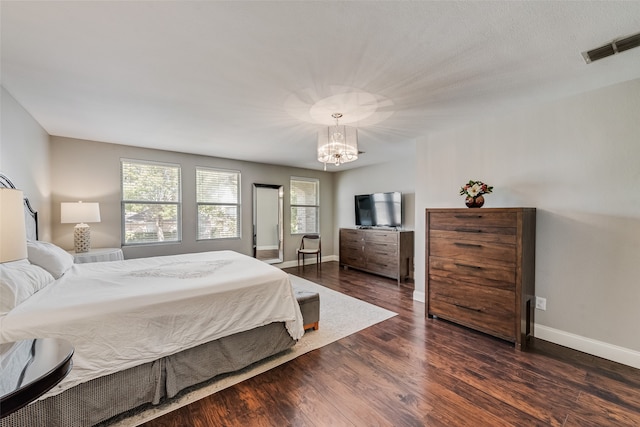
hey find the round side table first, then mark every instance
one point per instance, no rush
(30, 369)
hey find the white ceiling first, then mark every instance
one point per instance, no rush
(239, 79)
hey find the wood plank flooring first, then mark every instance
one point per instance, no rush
(412, 371)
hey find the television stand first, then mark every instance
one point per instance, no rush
(388, 253)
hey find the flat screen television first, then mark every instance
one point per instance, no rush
(379, 209)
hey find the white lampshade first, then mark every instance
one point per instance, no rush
(79, 212)
(13, 235)
(338, 144)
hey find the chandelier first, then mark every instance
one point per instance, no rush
(337, 144)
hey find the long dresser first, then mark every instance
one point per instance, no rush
(480, 266)
(388, 253)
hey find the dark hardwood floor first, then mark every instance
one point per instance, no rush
(412, 371)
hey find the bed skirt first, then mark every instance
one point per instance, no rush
(100, 400)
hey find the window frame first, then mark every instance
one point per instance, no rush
(238, 204)
(293, 205)
(124, 202)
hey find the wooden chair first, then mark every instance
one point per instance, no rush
(310, 245)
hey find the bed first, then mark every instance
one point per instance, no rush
(145, 329)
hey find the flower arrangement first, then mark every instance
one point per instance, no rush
(475, 189)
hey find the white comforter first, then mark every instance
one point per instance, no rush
(125, 313)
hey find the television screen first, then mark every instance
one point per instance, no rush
(379, 209)
(364, 210)
(388, 209)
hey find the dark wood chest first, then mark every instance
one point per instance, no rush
(480, 269)
(388, 253)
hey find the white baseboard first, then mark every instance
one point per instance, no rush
(307, 261)
(419, 296)
(590, 346)
(605, 350)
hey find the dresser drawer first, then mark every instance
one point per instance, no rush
(347, 235)
(472, 250)
(464, 220)
(473, 297)
(378, 237)
(385, 271)
(472, 269)
(488, 309)
(382, 261)
(501, 327)
(504, 235)
(382, 269)
(383, 249)
(354, 259)
(351, 245)
(444, 275)
(351, 240)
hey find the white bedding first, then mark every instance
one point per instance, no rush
(125, 313)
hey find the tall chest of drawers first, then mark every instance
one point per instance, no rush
(480, 269)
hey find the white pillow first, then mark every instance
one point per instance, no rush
(50, 257)
(18, 281)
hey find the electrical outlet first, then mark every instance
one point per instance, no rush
(541, 303)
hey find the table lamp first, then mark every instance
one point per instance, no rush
(13, 235)
(80, 213)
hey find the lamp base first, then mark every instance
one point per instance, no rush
(81, 238)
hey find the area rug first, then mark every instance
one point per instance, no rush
(340, 316)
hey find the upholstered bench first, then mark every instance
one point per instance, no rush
(310, 307)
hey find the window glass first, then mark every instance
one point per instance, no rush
(151, 202)
(305, 206)
(218, 200)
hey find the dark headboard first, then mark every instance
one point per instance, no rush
(30, 215)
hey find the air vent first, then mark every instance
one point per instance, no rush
(616, 46)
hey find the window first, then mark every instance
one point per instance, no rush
(305, 205)
(218, 199)
(151, 206)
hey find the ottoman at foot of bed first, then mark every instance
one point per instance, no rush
(310, 307)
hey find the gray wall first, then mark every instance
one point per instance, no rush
(396, 175)
(577, 161)
(90, 171)
(24, 157)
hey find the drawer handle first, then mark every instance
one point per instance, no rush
(468, 308)
(468, 216)
(468, 230)
(475, 267)
(467, 245)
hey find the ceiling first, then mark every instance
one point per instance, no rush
(250, 80)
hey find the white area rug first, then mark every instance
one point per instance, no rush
(340, 316)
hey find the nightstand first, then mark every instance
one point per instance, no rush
(98, 255)
(30, 369)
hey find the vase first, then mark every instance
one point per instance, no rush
(474, 202)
